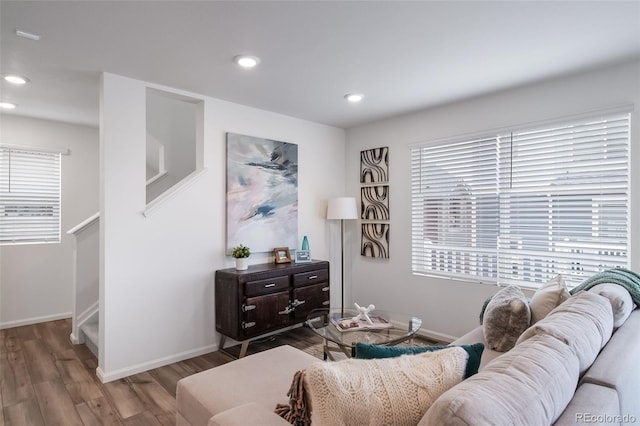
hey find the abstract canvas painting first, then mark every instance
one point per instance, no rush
(262, 193)
(374, 203)
(375, 240)
(374, 165)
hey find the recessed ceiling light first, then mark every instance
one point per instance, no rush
(354, 97)
(16, 79)
(25, 34)
(7, 105)
(246, 61)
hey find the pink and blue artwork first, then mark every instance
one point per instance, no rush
(262, 193)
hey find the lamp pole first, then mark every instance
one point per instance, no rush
(342, 208)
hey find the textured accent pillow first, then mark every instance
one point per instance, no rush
(547, 297)
(385, 391)
(621, 301)
(366, 351)
(506, 317)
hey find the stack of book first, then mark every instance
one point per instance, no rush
(349, 324)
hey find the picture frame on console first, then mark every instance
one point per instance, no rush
(302, 256)
(282, 255)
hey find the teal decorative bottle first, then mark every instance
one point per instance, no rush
(305, 243)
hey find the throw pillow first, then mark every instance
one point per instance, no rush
(621, 301)
(382, 391)
(506, 317)
(547, 297)
(366, 351)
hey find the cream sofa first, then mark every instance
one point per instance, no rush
(550, 377)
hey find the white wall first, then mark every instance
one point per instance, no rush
(156, 273)
(37, 279)
(452, 307)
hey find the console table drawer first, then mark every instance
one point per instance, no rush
(271, 285)
(308, 298)
(313, 277)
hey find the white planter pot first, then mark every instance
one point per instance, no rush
(242, 263)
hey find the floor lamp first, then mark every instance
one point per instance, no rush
(342, 208)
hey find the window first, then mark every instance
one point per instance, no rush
(29, 196)
(522, 206)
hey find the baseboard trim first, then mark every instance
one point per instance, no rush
(429, 334)
(110, 376)
(35, 320)
(434, 335)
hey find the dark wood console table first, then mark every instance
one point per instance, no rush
(268, 297)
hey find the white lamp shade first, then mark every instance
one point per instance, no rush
(342, 208)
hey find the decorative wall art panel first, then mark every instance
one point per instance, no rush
(375, 240)
(374, 165)
(262, 193)
(374, 204)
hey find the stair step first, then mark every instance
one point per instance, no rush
(91, 332)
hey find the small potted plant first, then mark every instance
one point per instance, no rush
(241, 253)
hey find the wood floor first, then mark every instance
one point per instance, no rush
(46, 380)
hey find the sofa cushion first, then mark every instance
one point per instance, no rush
(584, 322)
(530, 384)
(263, 378)
(477, 336)
(366, 351)
(247, 414)
(382, 391)
(621, 301)
(547, 297)
(591, 404)
(507, 315)
(617, 366)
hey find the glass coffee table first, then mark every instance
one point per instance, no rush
(403, 328)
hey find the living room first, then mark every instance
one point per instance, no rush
(157, 271)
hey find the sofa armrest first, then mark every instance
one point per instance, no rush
(477, 336)
(248, 414)
(617, 366)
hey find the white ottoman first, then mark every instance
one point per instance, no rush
(263, 378)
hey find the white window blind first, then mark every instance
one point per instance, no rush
(29, 196)
(455, 208)
(524, 206)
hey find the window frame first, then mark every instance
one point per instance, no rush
(419, 231)
(30, 195)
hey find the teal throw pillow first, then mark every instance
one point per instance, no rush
(366, 351)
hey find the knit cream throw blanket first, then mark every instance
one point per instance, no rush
(390, 391)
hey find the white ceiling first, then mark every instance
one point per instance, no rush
(404, 56)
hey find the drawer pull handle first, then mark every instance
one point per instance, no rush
(246, 325)
(286, 311)
(270, 285)
(246, 308)
(313, 277)
(327, 288)
(297, 302)
(325, 303)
